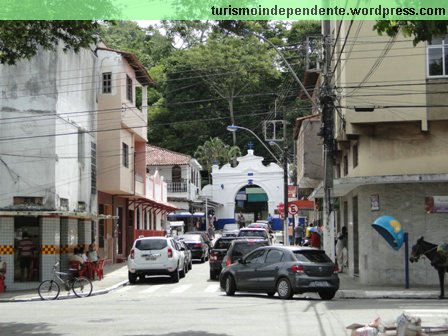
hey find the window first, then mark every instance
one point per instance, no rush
(176, 174)
(256, 257)
(107, 82)
(355, 156)
(274, 256)
(129, 94)
(125, 155)
(93, 168)
(345, 165)
(438, 57)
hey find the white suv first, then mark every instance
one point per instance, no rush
(155, 256)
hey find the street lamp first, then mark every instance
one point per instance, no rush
(234, 128)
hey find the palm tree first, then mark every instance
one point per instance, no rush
(215, 151)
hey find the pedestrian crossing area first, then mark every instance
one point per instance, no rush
(171, 289)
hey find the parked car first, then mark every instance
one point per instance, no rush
(230, 230)
(255, 232)
(187, 253)
(217, 254)
(197, 245)
(240, 247)
(204, 235)
(155, 256)
(286, 270)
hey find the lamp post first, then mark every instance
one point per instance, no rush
(234, 128)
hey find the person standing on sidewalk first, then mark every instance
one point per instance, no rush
(298, 235)
(26, 248)
(341, 249)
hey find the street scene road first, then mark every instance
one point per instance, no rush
(196, 306)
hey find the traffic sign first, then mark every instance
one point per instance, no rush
(293, 209)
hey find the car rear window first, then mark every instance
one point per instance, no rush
(252, 234)
(151, 244)
(229, 227)
(193, 237)
(242, 248)
(222, 244)
(312, 256)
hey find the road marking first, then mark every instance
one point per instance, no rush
(180, 289)
(153, 288)
(212, 289)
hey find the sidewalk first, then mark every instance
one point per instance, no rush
(116, 276)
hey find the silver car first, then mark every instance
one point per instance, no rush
(230, 230)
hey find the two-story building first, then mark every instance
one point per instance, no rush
(390, 156)
(182, 175)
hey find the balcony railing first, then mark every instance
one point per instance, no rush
(177, 187)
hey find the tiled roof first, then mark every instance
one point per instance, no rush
(156, 156)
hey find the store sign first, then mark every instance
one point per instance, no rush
(436, 204)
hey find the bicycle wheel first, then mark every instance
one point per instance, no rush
(82, 287)
(48, 290)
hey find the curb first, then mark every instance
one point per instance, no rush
(69, 297)
(397, 295)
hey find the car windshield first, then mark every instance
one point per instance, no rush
(151, 244)
(250, 233)
(222, 244)
(230, 227)
(242, 248)
(194, 237)
(314, 256)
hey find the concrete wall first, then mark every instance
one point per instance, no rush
(52, 97)
(309, 155)
(378, 262)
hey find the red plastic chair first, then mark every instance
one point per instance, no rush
(99, 269)
(77, 268)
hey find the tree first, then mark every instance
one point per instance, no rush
(421, 30)
(21, 39)
(231, 66)
(214, 151)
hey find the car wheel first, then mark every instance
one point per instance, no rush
(271, 294)
(182, 272)
(190, 265)
(175, 276)
(284, 289)
(230, 287)
(186, 268)
(132, 277)
(327, 295)
(213, 275)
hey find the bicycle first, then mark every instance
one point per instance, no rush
(50, 289)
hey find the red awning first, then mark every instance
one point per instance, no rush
(147, 203)
(303, 204)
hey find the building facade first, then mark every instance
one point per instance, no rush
(47, 161)
(390, 156)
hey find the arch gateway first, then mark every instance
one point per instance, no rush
(250, 187)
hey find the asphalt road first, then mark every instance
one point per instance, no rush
(195, 306)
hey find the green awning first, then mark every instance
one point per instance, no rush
(257, 197)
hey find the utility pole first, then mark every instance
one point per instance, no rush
(327, 103)
(285, 184)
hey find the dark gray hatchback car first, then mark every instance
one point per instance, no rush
(286, 270)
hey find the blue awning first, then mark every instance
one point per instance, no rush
(390, 229)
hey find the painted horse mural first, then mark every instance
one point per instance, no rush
(438, 260)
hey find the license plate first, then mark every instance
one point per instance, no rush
(152, 257)
(320, 284)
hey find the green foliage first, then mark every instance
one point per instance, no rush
(420, 30)
(21, 39)
(214, 151)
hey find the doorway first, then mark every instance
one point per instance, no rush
(252, 201)
(27, 242)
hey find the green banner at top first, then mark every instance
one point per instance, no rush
(223, 10)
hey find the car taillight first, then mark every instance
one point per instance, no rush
(170, 253)
(335, 269)
(228, 261)
(297, 269)
(132, 254)
(198, 245)
(213, 256)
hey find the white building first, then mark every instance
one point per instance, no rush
(232, 184)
